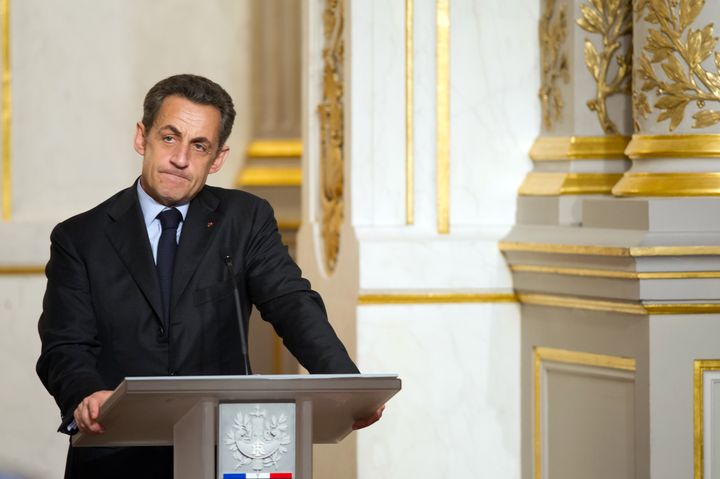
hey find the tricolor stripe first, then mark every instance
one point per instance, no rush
(258, 475)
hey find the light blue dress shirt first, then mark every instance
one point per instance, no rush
(151, 209)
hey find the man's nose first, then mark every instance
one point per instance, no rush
(180, 158)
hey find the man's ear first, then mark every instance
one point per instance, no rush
(139, 143)
(219, 159)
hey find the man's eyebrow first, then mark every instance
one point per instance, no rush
(174, 130)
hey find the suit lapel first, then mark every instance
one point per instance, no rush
(198, 232)
(128, 235)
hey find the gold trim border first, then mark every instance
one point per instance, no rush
(6, 113)
(699, 367)
(574, 302)
(673, 146)
(270, 176)
(409, 121)
(597, 250)
(565, 356)
(668, 184)
(275, 148)
(559, 148)
(551, 184)
(443, 115)
(435, 298)
(21, 270)
(604, 273)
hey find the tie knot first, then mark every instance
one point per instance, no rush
(170, 218)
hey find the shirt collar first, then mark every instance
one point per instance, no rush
(151, 208)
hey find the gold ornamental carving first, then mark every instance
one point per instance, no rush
(331, 112)
(612, 21)
(681, 53)
(553, 60)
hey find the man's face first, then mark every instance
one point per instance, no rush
(180, 150)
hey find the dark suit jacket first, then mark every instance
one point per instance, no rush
(102, 313)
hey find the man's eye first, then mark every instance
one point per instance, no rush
(200, 147)
(168, 138)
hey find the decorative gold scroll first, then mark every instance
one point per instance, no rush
(681, 53)
(553, 60)
(331, 112)
(612, 21)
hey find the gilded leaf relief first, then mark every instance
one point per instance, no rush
(611, 20)
(331, 112)
(554, 61)
(685, 56)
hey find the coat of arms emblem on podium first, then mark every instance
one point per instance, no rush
(256, 441)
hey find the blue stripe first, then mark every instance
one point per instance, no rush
(234, 475)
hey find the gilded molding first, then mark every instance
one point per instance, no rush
(565, 356)
(21, 270)
(684, 77)
(699, 368)
(673, 146)
(604, 273)
(6, 113)
(574, 302)
(597, 250)
(668, 184)
(435, 297)
(551, 184)
(409, 123)
(554, 148)
(269, 176)
(332, 131)
(612, 21)
(552, 32)
(275, 148)
(288, 224)
(443, 115)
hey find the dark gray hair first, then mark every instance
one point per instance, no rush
(197, 89)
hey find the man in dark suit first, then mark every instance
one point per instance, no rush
(113, 309)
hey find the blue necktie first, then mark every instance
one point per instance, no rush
(169, 220)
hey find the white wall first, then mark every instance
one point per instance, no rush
(80, 70)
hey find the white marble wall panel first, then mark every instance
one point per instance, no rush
(28, 415)
(424, 121)
(393, 259)
(458, 412)
(495, 114)
(376, 118)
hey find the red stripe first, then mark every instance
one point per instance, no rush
(281, 475)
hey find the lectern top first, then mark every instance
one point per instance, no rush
(143, 410)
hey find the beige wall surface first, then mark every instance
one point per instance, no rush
(80, 69)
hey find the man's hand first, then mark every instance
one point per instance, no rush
(88, 410)
(361, 423)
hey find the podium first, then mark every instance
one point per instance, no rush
(182, 411)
